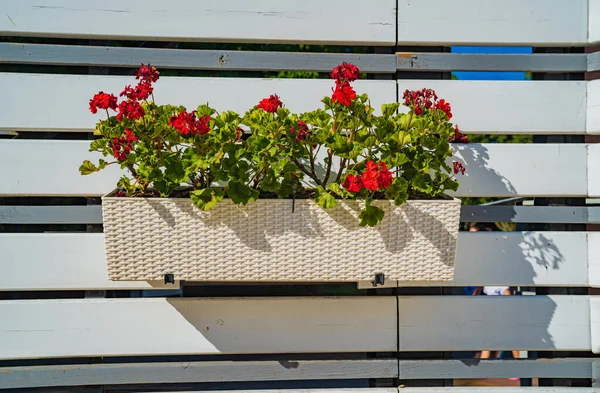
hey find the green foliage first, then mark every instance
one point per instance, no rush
(343, 150)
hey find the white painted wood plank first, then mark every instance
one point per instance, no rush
(59, 261)
(113, 327)
(311, 21)
(595, 323)
(593, 105)
(51, 94)
(497, 389)
(336, 390)
(195, 372)
(513, 107)
(506, 170)
(466, 323)
(490, 22)
(519, 259)
(594, 22)
(50, 167)
(596, 374)
(593, 153)
(594, 259)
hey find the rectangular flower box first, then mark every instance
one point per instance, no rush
(148, 238)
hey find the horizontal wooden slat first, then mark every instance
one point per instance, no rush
(489, 22)
(526, 107)
(494, 389)
(594, 259)
(593, 61)
(594, 22)
(490, 62)
(519, 259)
(43, 54)
(506, 170)
(59, 261)
(74, 92)
(470, 323)
(477, 368)
(189, 20)
(530, 214)
(113, 327)
(593, 107)
(49, 167)
(39, 261)
(150, 373)
(92, 214)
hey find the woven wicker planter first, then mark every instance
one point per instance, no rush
(147, 238)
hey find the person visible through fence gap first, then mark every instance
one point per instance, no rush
(490, 291)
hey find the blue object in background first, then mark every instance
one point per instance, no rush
(463, 75)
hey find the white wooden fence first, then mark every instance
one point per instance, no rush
(56, 330)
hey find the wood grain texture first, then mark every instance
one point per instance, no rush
(216, 60)
(527, 107)
(470, 323)
(593, 107)
(519, 259)
(71, 261)
(489, 22)
(222, 21)
(508, 368)
(52, 94)
(548, 62)
(50, 167)
(59, 261)
(115, 327)
(195, 372)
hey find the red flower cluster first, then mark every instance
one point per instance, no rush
(139, 93)
(130, 109)
(270, 104)
(147, 73)
(458, 167)
(458, 136)
(425, 99)
(122, 145)
(343, 75)
(103, 101)
(375, 177)
(186, 123)
(302, 132)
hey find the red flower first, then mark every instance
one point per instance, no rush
(147, 73)
(345, 72)
(122, 145)
(444, 106)
(186, 123)
(140, 93)
(376, 176)
(302, 133)
(458, 137)
(352, 183)
(103, 101)
(458, 167)
(130, 109)
(270, 104)
(344, 94)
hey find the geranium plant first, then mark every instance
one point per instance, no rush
(340, 151)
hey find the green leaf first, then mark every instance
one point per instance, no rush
(324, 199)
(241, 193)
(206, 198)
(87, 167)
(269, 182)
(338, 190)
(389, 110)
(398, 191)
(397, 159)
(370, 215)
